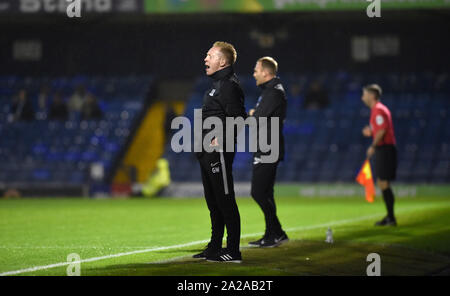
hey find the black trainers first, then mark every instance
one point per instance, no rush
(256, 243)
(225, 255)
(208, 251)
(274, 241)
(386, 221)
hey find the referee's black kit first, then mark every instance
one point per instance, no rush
(224, 99)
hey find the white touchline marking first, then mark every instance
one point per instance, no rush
(331, 223)
(75, 247)
(163, 261)
(36, 268)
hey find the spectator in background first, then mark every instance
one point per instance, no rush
(43, 99)
(58, 108)
(295, 96)
(170, 115)
(316, 97)
(77, 100)
(91, 108)
(21, 108)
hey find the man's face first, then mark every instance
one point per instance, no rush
(214, 61)
(367, 97)
(259, 74)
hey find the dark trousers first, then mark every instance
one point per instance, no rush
(218, 186)
(263, 180)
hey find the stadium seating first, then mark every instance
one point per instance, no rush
(61, 152)
(321, 145)
(327, 145)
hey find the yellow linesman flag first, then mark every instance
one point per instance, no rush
(365, 179)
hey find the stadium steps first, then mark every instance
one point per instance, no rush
(146, 147)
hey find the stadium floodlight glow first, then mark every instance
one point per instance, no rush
(213, 139)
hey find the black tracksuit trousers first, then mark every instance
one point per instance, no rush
(218, 186)
(263, 180)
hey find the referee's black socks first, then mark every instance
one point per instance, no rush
(388, 197)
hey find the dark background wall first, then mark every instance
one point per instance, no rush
(175, 46)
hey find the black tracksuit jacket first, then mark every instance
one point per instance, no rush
(272, 103)
(224, 99)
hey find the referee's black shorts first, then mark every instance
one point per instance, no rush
(386, 162)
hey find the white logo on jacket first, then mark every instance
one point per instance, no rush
(279, 86)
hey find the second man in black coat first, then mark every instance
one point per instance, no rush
(271, 103)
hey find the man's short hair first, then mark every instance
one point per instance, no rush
(227, 50)
(269, 64)
(375, 89)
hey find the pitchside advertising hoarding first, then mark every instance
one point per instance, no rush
(30, 7)
(205, 6)
(255, 6)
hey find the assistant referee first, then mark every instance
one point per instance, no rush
(271, 103)
(381, 129)
(224, 99)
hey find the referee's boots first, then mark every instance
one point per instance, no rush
(387, 221)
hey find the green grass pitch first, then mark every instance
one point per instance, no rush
(158, 236)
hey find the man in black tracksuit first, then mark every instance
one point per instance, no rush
(224, 99)
(271, 103)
